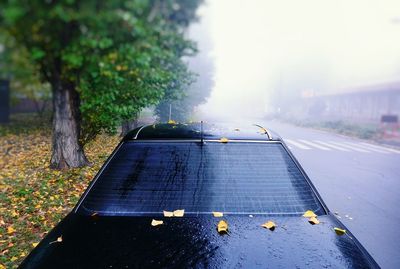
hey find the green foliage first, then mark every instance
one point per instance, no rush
(23, 75)
(121, 56)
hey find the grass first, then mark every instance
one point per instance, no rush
(363, 131)
(33, 197)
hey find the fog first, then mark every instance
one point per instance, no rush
(270, 53)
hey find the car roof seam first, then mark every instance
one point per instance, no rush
(141, 128)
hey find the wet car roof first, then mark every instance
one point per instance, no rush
(98, 240)
(193, 242)
(198, 130)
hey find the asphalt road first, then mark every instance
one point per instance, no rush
(358, 180)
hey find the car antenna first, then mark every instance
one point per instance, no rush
(201, 133)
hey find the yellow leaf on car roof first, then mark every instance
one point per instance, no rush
(269, 225)
(176, 213)
(309, 214)
(171, 122)
(179, 212)
(313, 220)
(217, 214)
(168, 214)
(58, 240)
(339, 231)
(224, 140)
(156, 222)
(222, 226)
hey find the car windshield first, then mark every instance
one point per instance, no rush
(234, 178)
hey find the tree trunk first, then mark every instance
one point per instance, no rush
(67, 151)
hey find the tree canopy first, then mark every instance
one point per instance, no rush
(106, 59)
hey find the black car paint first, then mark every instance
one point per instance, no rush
(193, 242)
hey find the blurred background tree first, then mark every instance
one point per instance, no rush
(104, 61)
(23, 75)
(183, 99)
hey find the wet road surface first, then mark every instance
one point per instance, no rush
(358, 180)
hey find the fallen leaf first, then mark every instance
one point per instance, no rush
(95, 216)
(222, 226)
(35, 244)
(29, 204)
(313, 220)
(2, 266)
(10, 230)
(309, 214)
(179, 212)
(217, 214)
(224, 140)
(13, 259)
(156, 222)
(269, 225)
(339, 231)
(237, 129)
(168, 214)
(171, 122)
(58, 240)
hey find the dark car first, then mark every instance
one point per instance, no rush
(249, 175)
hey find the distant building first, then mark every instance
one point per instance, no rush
(361, 104)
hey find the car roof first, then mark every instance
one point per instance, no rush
(199, 130)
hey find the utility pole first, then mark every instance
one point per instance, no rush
(170, 112)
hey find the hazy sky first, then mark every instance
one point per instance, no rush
(314, 45)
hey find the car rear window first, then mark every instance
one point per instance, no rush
(235, 178)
